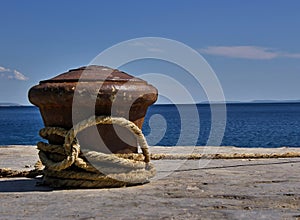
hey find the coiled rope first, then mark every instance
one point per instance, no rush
(68, 166)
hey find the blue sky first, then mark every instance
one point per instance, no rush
(253, 46)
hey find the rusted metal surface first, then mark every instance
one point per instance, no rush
(93, 73)
(107, 91)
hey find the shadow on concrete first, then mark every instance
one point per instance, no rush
(22, 185)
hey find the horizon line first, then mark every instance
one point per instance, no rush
(9, 104)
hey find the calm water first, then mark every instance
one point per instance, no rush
(248, 125)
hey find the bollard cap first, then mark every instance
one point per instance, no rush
(105, 81)
(93, 73)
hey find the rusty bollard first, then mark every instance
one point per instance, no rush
(117, 94)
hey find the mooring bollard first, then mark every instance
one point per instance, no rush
(100, 110)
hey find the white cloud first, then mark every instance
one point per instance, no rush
(291, 55)
(149, 46)
(9, 74)
(247, 52)
(19, 76)
(3, 69)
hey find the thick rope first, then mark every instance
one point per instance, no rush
(10, 173)
(195, 156)
(67, 166)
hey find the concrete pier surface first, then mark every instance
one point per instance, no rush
(182, 189)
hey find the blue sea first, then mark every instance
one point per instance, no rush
(248, 125)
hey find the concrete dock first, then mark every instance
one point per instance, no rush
(182, 189)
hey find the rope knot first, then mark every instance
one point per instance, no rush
(67, 165)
